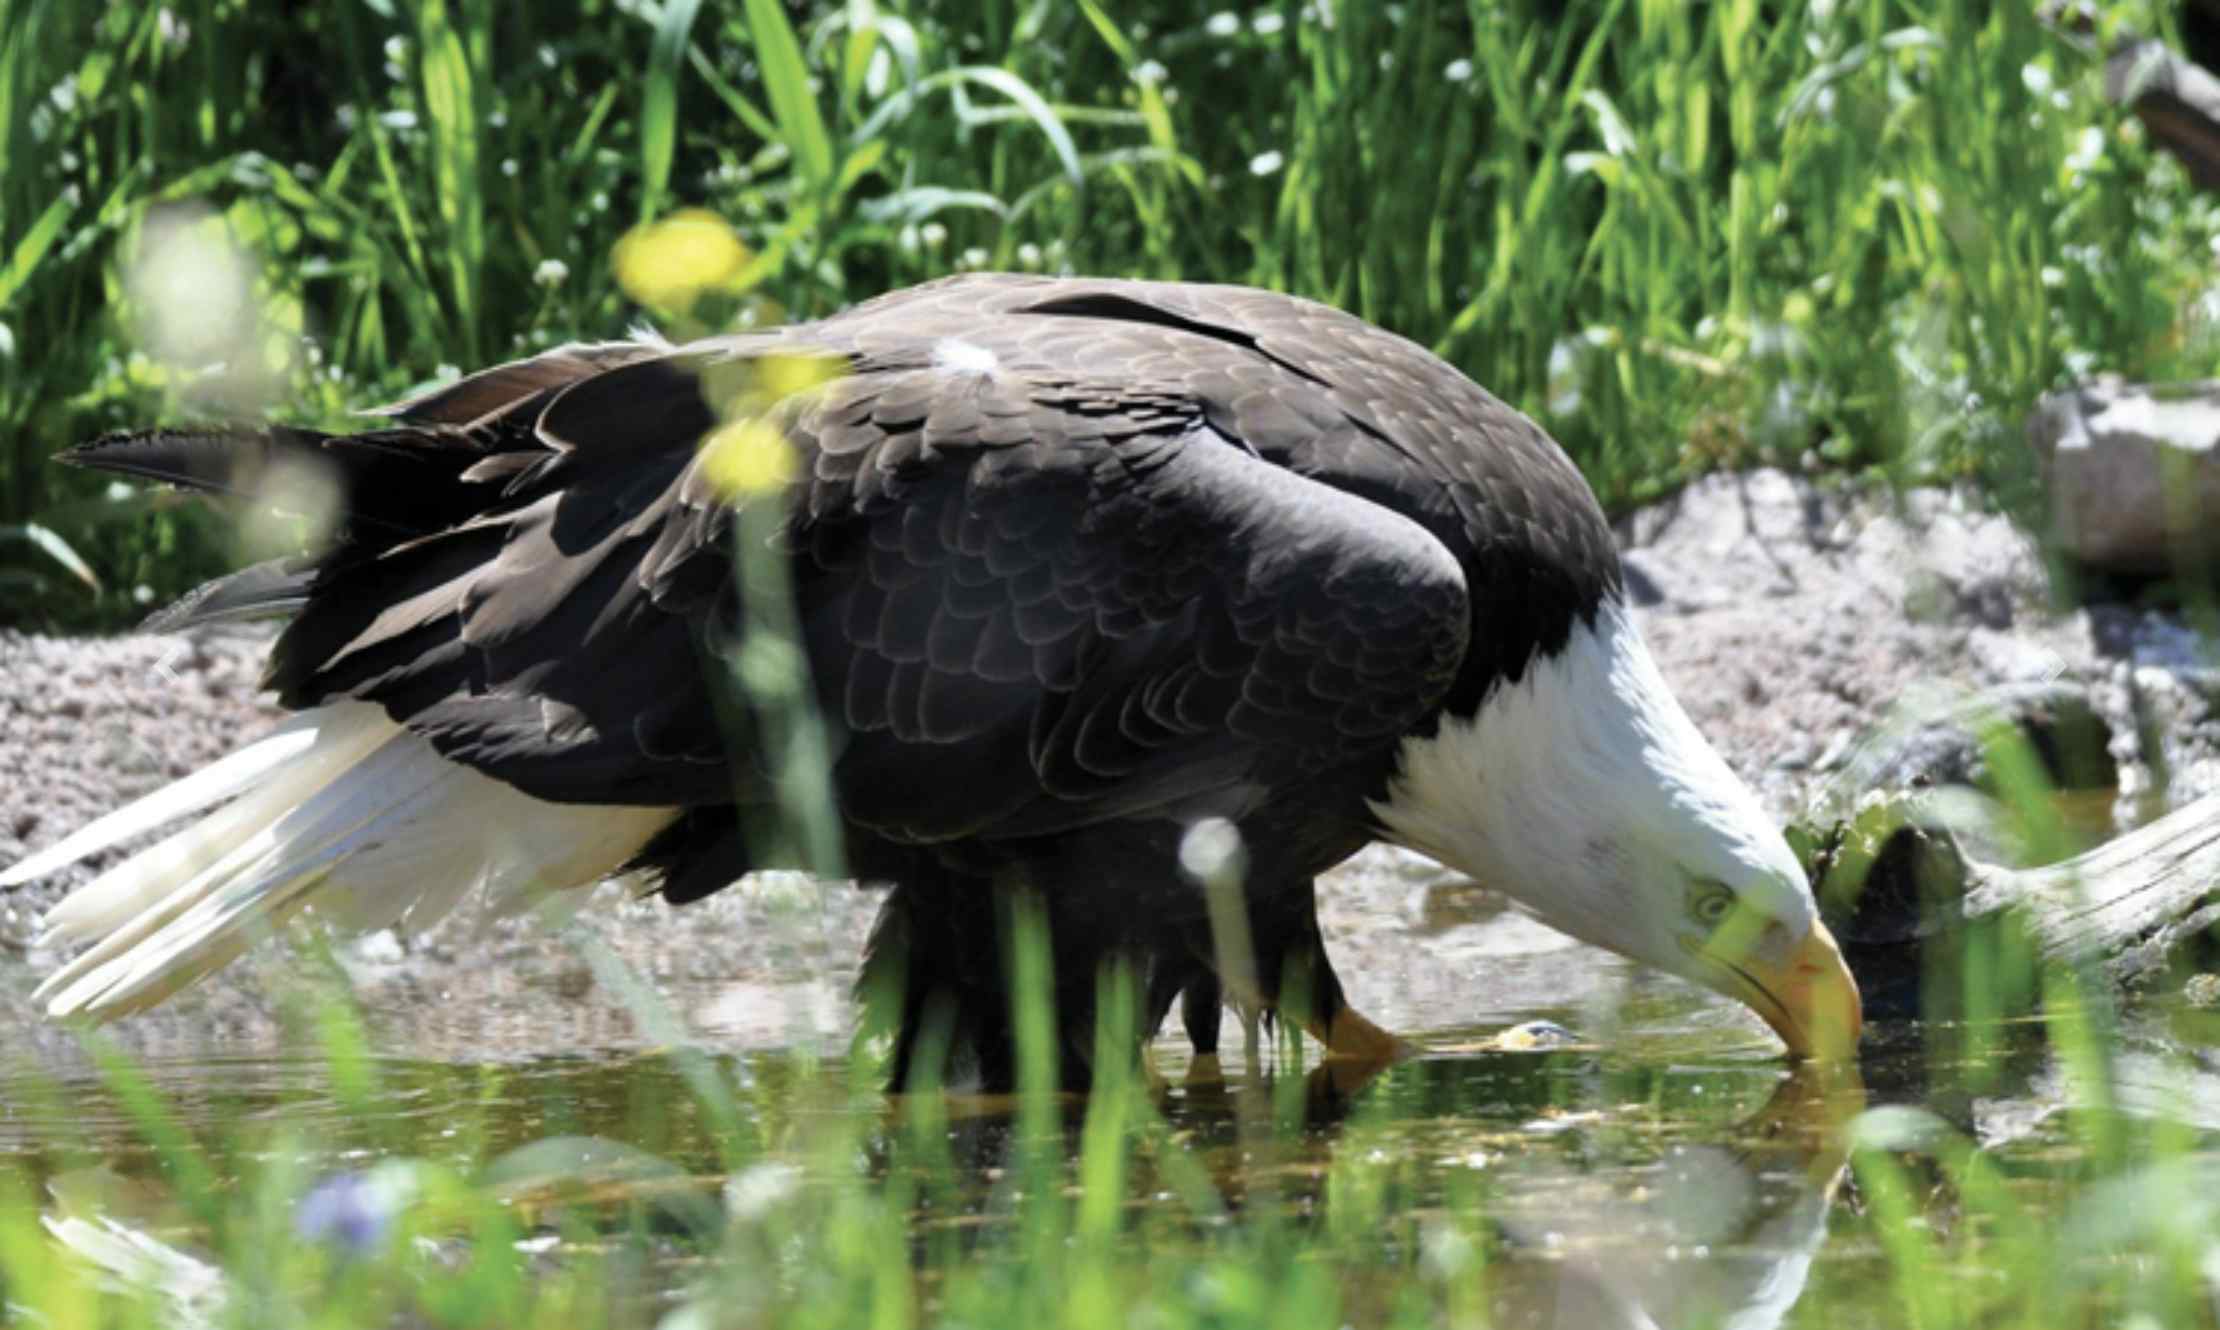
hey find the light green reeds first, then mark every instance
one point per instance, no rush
(1858, 234)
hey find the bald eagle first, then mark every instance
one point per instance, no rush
(1075, 565)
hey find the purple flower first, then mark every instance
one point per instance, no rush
(353, 1212)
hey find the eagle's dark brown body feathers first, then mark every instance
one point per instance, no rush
(1077, 562)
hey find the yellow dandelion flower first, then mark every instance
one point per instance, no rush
(669, 264)
(746, 457)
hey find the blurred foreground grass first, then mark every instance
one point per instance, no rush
(1851, 234)
(1658, 1185)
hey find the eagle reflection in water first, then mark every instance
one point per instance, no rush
(1719, 1235)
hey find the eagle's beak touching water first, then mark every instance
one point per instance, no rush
(1809, 997)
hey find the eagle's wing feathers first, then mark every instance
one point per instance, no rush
(536, 639)
(1036, 603)
(1056, 566)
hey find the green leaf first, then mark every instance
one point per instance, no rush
(786, 80)
(450, 89)
(32, 248)
(1108, 31)
(860, 163)
(659, 106)
(919, 202)
(751, 115)
(1030, 103)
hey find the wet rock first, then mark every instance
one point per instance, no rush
(1904, 899)
(1955, 746)
(2177, 100)
(2132, 473)
(1890, 881)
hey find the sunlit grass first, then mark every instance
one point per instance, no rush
(1858, 234)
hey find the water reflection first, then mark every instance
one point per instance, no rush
(1604, 1190)
(1612, 1195)
(1714, 1235)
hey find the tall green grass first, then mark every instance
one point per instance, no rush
(1864, 233)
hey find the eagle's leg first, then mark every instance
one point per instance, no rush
(936, 976)
(932, 978)
(1309, 993)
(1300, 985)
(1201, 1007)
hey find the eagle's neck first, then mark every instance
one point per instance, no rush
(1576, 788)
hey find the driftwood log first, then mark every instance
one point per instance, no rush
(2175, 95)
(1901, 892)
(2178, 102)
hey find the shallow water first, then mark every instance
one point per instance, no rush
(1678, 1176)
(1663, 1169)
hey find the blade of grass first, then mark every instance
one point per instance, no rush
(659, 102)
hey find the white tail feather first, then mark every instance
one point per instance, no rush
(337, 737)
(211, 784)
(350, 819)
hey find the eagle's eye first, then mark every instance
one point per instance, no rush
(1709, 902)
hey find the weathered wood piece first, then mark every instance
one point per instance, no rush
(2129, 905)
(2177, 100)
(2174, 95)
(2130, 910)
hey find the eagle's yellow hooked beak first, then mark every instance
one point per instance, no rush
(1810, 999)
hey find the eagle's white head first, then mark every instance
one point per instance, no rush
(1585, 793)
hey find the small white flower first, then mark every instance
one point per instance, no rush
(1265, 163)
(1029, 256)
(1458, 71)
(2088, 150)
(550, 273)
(933, 234)
(1224, 23)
